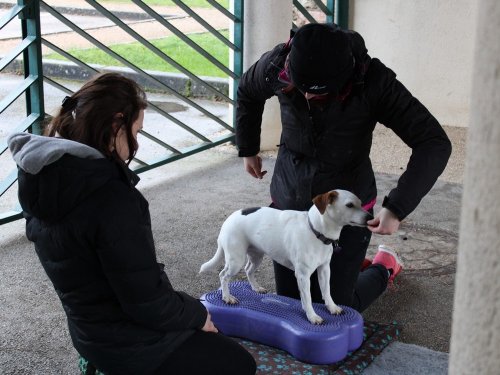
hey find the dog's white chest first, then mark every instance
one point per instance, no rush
(311, 257)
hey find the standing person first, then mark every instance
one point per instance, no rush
(92, 233)
(331, 95)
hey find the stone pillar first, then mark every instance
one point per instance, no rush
(266, 23)
(475, 341)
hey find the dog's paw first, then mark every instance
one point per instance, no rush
(230, 300)
(315, 319)
(334, 309)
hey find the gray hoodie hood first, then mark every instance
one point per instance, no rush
(55, 175)
(33, 152)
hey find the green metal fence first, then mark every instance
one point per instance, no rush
(26, 58)
(207, 127)
(31, 86)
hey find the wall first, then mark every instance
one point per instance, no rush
(266, 24)
(429, 44)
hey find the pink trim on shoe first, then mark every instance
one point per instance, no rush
(389, 259)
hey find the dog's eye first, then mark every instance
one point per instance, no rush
(349, 205)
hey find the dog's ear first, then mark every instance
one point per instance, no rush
(323, 200)
(332, 196)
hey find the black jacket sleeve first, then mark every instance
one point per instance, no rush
(128, 258)
(396, 108)
(254, 88)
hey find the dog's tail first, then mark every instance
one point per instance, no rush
(213, 264)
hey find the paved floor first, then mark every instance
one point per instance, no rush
(33, 334)
(189, 200)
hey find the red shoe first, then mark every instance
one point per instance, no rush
(390, 260)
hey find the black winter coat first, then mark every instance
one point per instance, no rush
(328, 147)
(92, 232)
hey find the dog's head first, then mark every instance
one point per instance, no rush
(343, 207)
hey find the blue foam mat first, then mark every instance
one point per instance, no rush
(280, 322)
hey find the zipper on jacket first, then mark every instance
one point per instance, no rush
(314, 133)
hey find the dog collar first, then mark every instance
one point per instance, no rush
(322, 237)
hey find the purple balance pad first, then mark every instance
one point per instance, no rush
(280, 322)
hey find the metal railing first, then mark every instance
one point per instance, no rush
(31, 86)
(29, 47)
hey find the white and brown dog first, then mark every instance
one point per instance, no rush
(299, 240)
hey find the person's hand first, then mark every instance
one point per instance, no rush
(253, 165)
(384, 223)
(209, 325)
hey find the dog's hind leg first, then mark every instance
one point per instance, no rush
(304, 284)
(324, 285)
(230, 270)
(254, 261)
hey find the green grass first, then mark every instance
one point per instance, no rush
(172, 46)
(189, 3)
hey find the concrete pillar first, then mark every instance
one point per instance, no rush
(475, 341)
(266, 23)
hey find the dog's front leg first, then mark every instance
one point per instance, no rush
(324, 285)
(304, 283)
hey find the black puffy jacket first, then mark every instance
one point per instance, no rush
(92, 233)
(328, 147)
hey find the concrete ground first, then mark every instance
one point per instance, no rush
(189, 200)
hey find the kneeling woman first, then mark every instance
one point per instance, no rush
(92, 232)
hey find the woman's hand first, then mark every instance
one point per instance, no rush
(209, 325)
(253, 165)
(384, 223)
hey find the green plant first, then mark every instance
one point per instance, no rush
(188, 91)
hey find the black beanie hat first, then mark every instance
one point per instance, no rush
(320, 59)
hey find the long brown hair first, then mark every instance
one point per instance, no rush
(88, 115)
